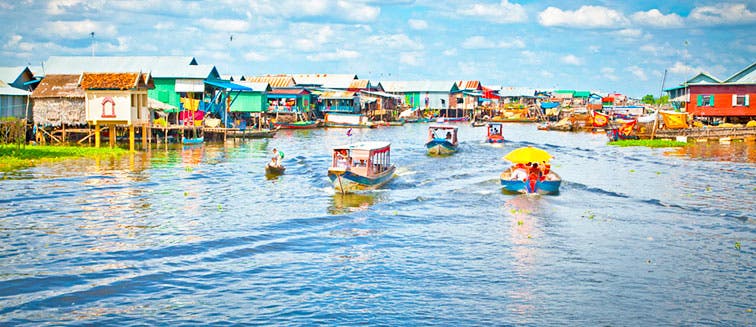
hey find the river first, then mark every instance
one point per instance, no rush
(199, 235)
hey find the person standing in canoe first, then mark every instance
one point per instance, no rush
(277, 157)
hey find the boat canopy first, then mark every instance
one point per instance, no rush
(367, 146)
(443, 127)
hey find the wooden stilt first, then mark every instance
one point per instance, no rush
(145, 140)
(131, 138)
(97, 135)
(112, 135)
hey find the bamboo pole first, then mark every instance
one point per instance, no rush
(112, 135)
(131, 137)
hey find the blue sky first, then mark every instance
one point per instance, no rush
(608, 46)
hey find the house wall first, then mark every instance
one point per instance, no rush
(13, 106)
(128, 107)
(57, 111)
(250, 102)
(723, 100)
(165, 91)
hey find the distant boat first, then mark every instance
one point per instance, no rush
(549, 105)
(192, 140)
(494, 133)
(305, 124)
(361, 166)
(442, 139)
(526, 179)
(346, 120)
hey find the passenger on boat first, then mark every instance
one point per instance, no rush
(341, 161)
(448, 136)
(274, 161)
(546, 169)
(535, 172)
(519, 172)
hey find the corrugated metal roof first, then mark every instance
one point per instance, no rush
(359, 84)
(158, 66)
(514, 91)
(704, 78)
(469, 85)
(6, 89)
(417, 86)
(745, 76)
(329, 81)
(255, 86)
(113, 81)
(59, 86)
(337, 95)
(275, 81)
(11, 74)
(289, 91)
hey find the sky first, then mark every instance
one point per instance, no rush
(603, 46)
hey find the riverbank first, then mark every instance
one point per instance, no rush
(13, 157)
(655, 143)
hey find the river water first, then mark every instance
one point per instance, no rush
(199, 235)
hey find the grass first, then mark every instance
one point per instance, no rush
(649, 143)
(12, 157)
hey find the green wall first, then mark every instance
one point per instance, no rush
(165, 91)
(250, 102)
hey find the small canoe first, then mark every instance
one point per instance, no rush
(274, 170)
(307, 124)
(192, 140)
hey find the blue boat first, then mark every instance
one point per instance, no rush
(549, 105)
(442, 139)
(530, 184)
(192, 140)
(361, 166)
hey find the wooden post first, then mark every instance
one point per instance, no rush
(145, 141)
(131, 137)
(63, 136)
(97, 135)
(112, 135)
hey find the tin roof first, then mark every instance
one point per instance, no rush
(704, 78)
(418, 86)
(275, 81)
(359, 84)
(514, 91)
(337, 95)
(12, 74)
(59, 86)
(745, 76)
(289, 91)
(255, 86)
(114, 81)
(329, 81)
(6, 89)
(158, 66)
(469, 85)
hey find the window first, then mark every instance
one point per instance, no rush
(740, 100)
(705, 100)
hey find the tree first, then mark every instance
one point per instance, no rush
(663, 100)
(648, 99)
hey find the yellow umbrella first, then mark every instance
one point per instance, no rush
(527, 154)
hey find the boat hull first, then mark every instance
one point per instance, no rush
(548, 186)
(347, 181)
(495, 139)
(440, 147)
(273, 170)
(193, 140)
(298, 125)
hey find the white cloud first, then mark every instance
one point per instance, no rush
(608, 72)
(393, 41)
(547, 74)
(59, 7)
(680, 68)
(6, 6)
(655, 18)
(480, 42)
(255, 56)
(502, 13)
(411, 58)
(14, 40)
(638, 72)
(649, 48)
(165, 26)
(594, 48)
(335, 10)
(584, 17)
(338, 54)
(77, 29)
(225, 25)
(530, 57)
(450, 52)
(722, 14)
(418, 24)
(632, 33)
(572, 60)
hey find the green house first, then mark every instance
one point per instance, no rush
(255, 100)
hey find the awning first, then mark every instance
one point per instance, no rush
(227, 85)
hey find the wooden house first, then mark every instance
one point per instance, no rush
(14, 102)
(285, 96)
(380, 105)
(325, 81)
(338, 102)
(726, 100)
(59, 101)
(255, 99)
(423, 94)
(467, 97)
(117, 99)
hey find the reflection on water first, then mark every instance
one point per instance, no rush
(180, 234)
(737, 151)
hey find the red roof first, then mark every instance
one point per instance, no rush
(289, 91)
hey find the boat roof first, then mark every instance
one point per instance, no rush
(443, 127)
(370, 145)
